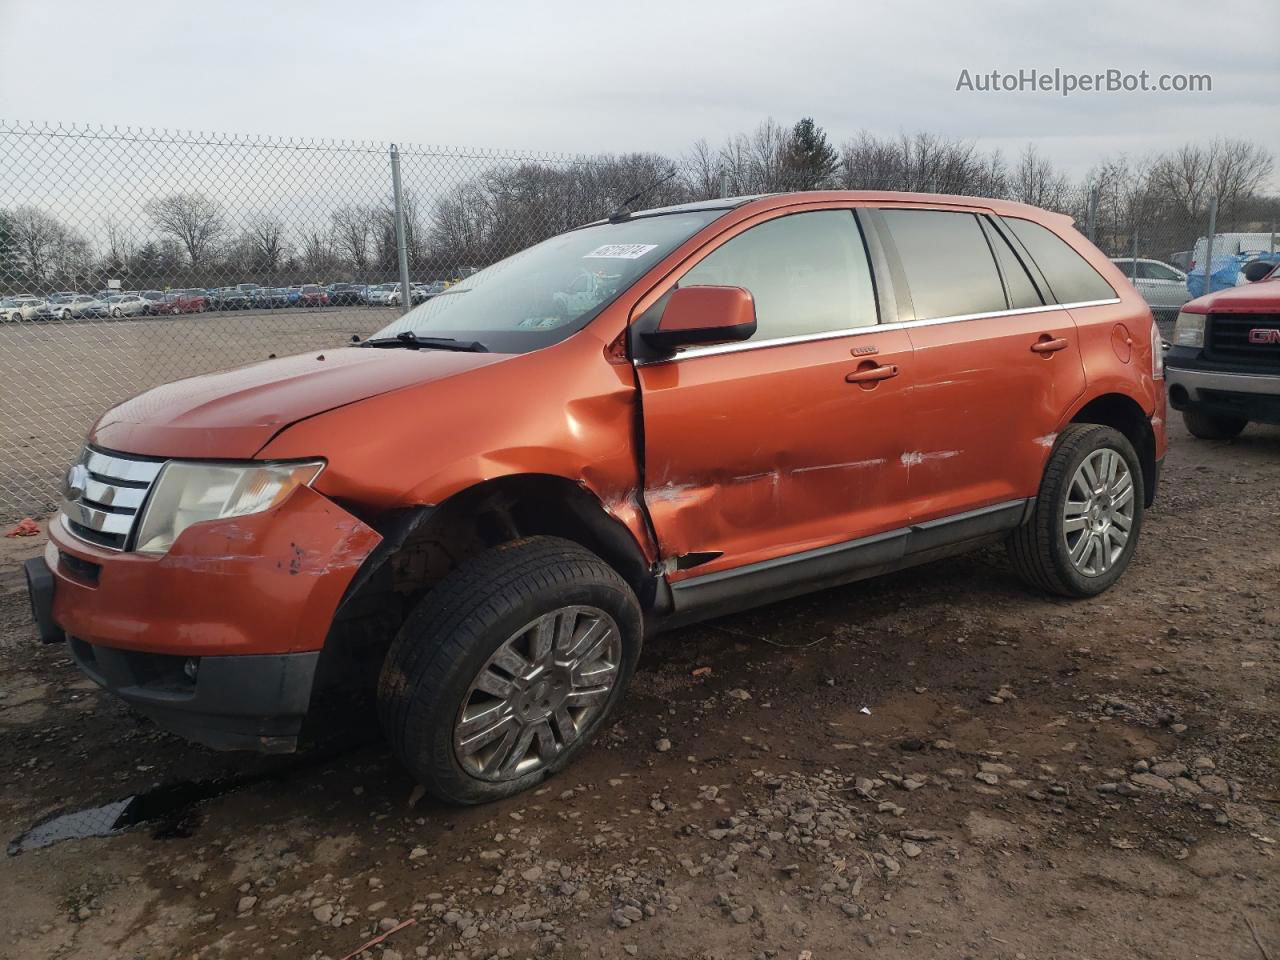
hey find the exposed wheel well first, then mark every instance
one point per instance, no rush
(1124, 414)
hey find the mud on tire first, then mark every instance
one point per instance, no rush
(450, 638)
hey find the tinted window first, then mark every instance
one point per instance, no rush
(947, 261)
(808, 273)
(1070, 277)
(1158, 271)
(1018, 284)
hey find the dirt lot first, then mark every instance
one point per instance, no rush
(936, 763)
(57, 378)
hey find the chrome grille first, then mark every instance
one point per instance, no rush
(104, 494)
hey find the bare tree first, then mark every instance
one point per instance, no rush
(353, 232)
(192, 219)
(38, 236)
(265, 236)
(1037, 181)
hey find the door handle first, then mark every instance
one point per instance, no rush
(872, 374)
(1049, 344)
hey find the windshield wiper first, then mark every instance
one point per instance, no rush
(411, 341)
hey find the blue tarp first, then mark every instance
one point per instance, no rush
(1225, 273)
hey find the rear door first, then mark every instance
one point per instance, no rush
(995, 367)
(761, 449)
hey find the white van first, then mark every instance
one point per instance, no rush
(1231, 244)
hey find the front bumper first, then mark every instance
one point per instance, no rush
(218, 640)
(232, 703)
(227, 703)
(1255, 397)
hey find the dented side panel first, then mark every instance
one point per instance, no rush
(266, 583)
(987, 409)
(564, 412)
(761, 453)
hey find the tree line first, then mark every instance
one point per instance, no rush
(194, 239)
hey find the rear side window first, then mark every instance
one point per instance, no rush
(808, 273)
(948, 263)
(1017, 282)
(1071, 278)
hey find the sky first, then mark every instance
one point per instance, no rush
(586, 77)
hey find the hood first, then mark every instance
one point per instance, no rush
(232, 415)
(1260, 297)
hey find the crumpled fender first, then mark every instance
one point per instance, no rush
(265, 583)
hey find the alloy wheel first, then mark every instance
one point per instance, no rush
(1097, 517)
(538, 694)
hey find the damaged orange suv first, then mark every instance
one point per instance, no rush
(480, 512)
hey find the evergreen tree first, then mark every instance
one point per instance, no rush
(808, 160)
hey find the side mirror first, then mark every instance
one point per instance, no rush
(1253, 272)
(704, 315)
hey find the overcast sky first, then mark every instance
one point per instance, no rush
(605, 76)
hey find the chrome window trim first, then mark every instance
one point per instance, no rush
(871, 328)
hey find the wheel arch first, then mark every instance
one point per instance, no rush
(1122, 412)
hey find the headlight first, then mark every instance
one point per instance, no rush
(187, 493)
(1188, 331)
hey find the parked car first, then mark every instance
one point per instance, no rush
(187, 301)
(1224, 361)
(68, 306)
(1231, 245)
(480, 512)
(128, 305)
(271, 298)
(233, 298)
(154, 296)
(384, 295)
(312, 295)
(1163, 286)
(346, 294)
(15, 309)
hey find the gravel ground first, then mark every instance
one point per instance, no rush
(935, 763)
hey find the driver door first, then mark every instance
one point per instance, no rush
(758, 450)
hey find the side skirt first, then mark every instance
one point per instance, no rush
(756, 584)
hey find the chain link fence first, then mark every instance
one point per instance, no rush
(130, 258)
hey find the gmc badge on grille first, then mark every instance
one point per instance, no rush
(1264, 335)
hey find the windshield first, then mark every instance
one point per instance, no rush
(545, 293)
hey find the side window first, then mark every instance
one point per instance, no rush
(1018, 283)
(947, 261)
(808, 273)
(1158, 271)
(1071, 278)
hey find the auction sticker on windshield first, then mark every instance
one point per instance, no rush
(620, 251)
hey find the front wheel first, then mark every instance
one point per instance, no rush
(1206, 426)
(1087, 516)
(504, 671)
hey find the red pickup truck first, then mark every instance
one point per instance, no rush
(1224, 364)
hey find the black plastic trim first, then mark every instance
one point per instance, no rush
(755, 584)
(40, 587)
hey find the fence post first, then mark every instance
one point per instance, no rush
(1133, 263)
(724, 185)
(402, 248)
(1208, 249)
(1093, 215)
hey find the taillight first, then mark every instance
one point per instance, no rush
(1157, 354)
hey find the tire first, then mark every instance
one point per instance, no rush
(1042, 549)
(65, 316)
(15, 317)
(116, 314)
(480, 611)
(1207, 426)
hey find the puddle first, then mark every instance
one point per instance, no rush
(171, 810)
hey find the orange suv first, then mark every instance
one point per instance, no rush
(480, 512)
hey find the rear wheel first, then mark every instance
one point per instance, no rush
(1087, 516)
(502, 674)
(1207, 426)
